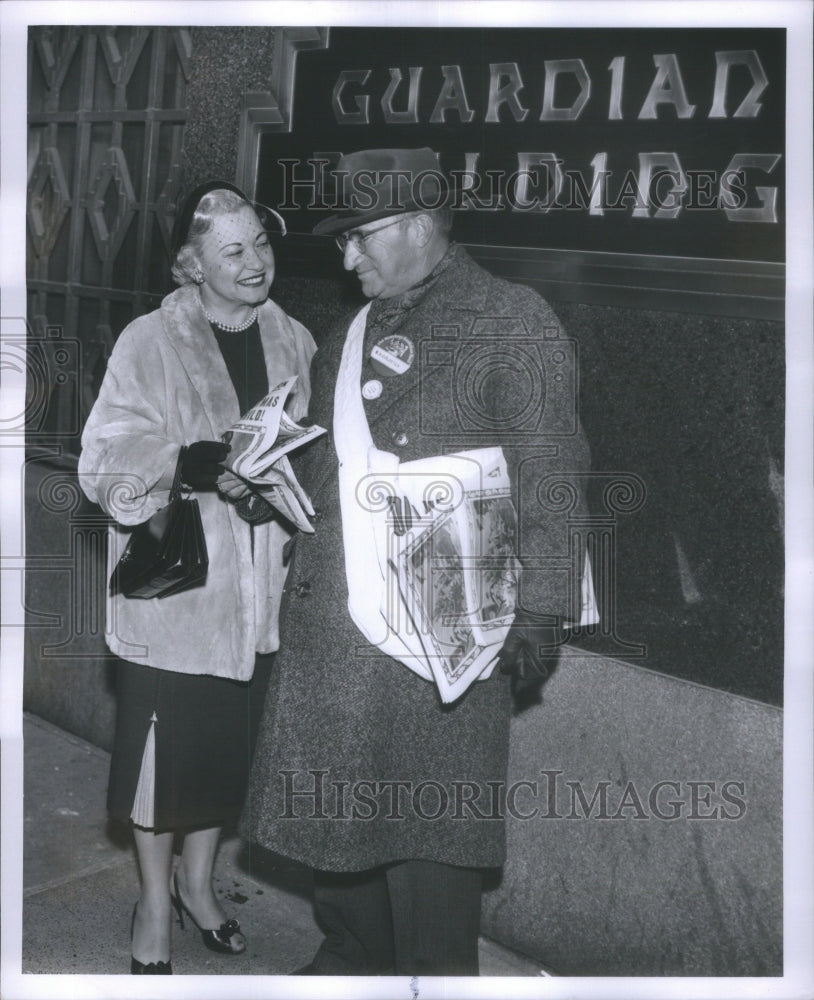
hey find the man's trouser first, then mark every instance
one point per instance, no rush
(408, 918)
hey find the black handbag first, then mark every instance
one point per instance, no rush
(166, 554)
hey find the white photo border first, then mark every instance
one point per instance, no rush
(796, 17)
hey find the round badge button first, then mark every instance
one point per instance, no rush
(372, 389)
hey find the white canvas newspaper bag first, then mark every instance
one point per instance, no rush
(367, 475)
(355, 450)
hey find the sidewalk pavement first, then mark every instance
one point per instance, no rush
(80, 882)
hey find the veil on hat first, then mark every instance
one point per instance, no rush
(183, 220)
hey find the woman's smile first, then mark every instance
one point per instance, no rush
(237, 263)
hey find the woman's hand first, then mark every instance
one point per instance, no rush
(201, 464)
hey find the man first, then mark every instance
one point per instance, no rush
(363, 772)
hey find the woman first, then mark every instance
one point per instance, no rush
(193, 665)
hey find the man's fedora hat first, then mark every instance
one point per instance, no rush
(374, 183)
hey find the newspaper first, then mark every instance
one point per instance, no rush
(455, 563)
(259, 445)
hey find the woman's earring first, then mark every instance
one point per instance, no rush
(197, 276)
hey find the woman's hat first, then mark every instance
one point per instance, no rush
(375, 183)
(183, 220)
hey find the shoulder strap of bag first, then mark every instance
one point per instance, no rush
(175, 490)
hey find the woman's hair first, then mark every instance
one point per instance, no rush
(221, 201)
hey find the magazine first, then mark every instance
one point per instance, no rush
(259, 445)
(456, 565)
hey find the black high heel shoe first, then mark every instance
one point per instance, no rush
(218, 939)
(150, 968)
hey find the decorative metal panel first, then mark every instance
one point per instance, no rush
(107, 110)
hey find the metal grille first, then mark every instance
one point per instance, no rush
(107, 110)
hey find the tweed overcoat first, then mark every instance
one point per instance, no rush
(167, 385)
(358, 762)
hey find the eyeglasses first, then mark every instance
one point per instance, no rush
(357, 238)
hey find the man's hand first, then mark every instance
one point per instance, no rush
(235, 488)
(232, 486)
(529, 649)
(249, 501)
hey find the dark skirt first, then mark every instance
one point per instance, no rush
(204, 739)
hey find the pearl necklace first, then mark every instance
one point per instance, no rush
(238, 328)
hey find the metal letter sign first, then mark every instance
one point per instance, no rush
(586, 162)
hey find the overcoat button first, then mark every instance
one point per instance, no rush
(303, 588)
(399, 438)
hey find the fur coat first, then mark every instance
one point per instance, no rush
(167, 385)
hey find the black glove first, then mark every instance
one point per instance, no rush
(200, 466)
(530, 650)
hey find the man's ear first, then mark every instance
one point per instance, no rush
(422, 226)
